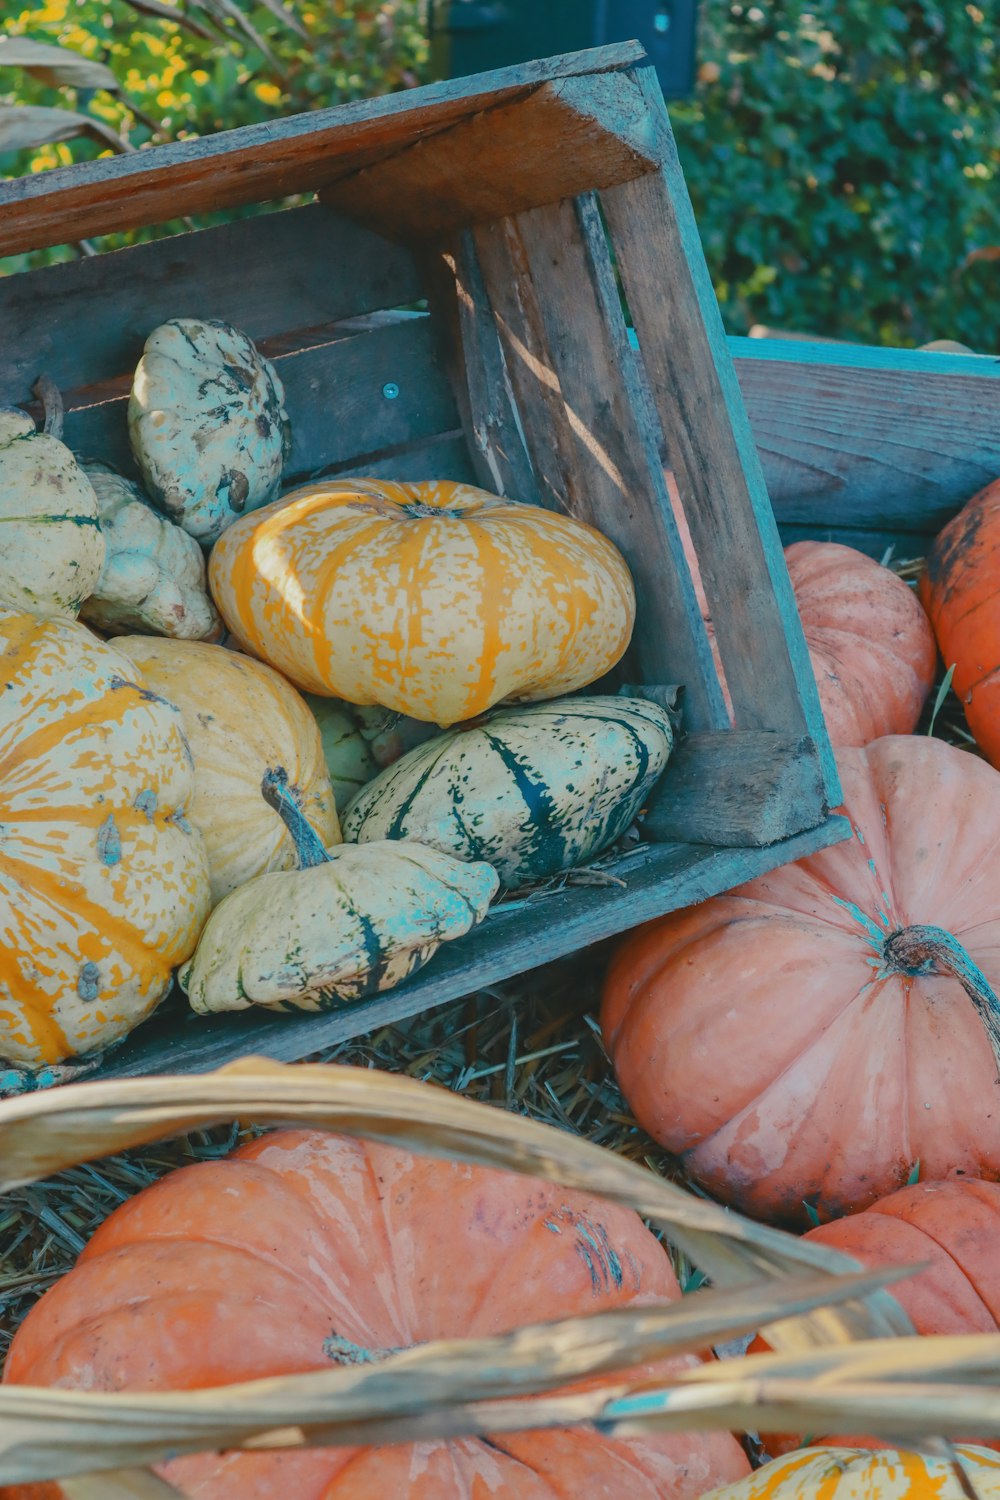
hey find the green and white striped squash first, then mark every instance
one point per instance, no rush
(350, 922)
(359, 742)
(533, 790)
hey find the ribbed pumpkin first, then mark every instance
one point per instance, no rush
(103, 882)
(870, 642)
(533, 791)
(953, 1227)
(810, 1037)
(242, 719)
(51, 545)
(859, 1474)
(304, 1250)
(961, 592)
(438, 600)
(153, 577)
(349, 923)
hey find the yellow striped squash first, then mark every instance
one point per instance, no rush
(242, 720)
(866, 1474)
(103, 882)
(435, 599)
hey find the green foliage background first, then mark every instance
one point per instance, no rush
(842, 155)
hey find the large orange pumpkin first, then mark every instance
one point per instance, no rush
(952, 1226)
(305, 1249)
(810, 1037)
(437, 600)
(870, 642)
(961, 591)
(103, 883)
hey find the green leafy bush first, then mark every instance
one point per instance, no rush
(843, 158)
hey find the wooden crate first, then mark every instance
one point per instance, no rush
(506, 203)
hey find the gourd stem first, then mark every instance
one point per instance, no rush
(932, 950)
(53, 411)
(277, 793)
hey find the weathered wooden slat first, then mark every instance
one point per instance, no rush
(548, 274)
(739, 788)
(474, 358)
(903, 545)
(338, 396)
(87, 320)
(514, 939)
(569, 137)
(259, 163)
(881, 439)
(444, 457)
(711, 450)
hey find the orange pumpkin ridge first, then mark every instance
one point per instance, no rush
(303, 1248)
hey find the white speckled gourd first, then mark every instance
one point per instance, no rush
(103, 882)
(51, 544)
(242, 719)
(359, 742)
(207, 424)
(532, 790)
(153, 579)
(349, 923)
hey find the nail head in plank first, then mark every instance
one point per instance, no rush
(87, 320)
(711, 449)
(262, 162)
(511, 941)
(738, 788)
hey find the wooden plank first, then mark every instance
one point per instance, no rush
(711, 451)
(443, 457)
(337, 399)
(87, 320)
(514, 938)
(739, 788)
(569, 137)
(272, 160)
(549, 276)
(474, 358)
(888, 439)
(903, 545)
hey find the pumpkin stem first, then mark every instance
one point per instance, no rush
(277, 793)
(53, 412)
(932, 950)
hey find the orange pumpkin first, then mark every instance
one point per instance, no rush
(961, 593)
(305, 1249)
(437, 600)
(954, 1227)
(870, 642)
(809, 1037)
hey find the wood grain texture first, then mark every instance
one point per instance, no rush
(594, 447)
(711, 450)
(764, 786)
(901, 545)
(272, 160)
(513, 939)
(568, 137)
(87, 320)
(474, 359)
(880, 439)
(335, 397)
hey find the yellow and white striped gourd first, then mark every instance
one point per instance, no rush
(242, 719)
(103, 881)
(866, 1474)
